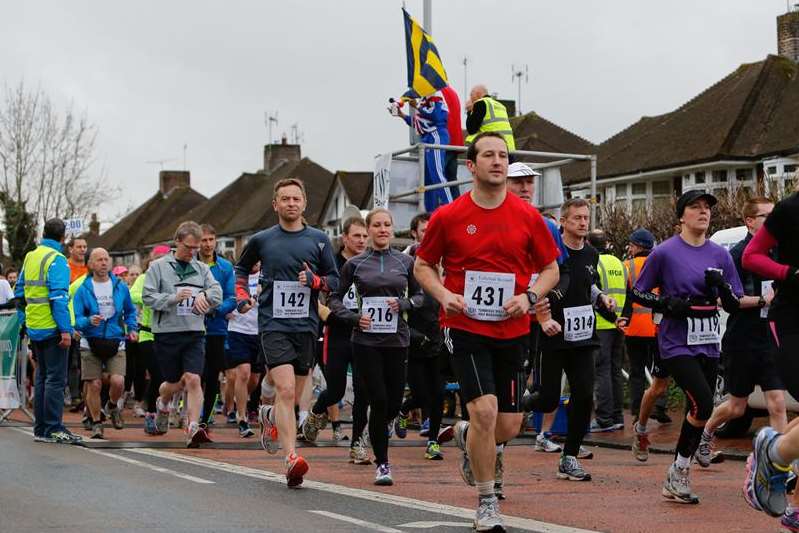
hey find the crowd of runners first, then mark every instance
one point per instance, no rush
(492, 296)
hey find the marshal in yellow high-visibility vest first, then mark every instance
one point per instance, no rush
(614, 284)
(38, 314)
(496, 120)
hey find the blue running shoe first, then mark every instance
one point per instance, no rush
(425, 431)
(764, 486)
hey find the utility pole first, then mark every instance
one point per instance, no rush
(517, 75)
(465, 80)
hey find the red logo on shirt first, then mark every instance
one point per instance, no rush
(471, 229)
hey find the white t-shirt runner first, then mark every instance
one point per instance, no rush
(104, 292)
(247, 323)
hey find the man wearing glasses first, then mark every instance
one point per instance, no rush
(181, 290)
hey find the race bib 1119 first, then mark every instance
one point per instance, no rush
(704, 330)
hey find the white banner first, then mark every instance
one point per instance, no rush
(382, 180)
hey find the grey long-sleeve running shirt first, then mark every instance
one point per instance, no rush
(282, 305)
(378, 274)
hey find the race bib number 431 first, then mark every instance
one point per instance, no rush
(703, 330)
(290, 300)
(486, 292)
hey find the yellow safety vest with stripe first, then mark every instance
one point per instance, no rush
(496, 120)
(38, 314)
(614, 284)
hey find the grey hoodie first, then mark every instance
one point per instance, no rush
(163, 280)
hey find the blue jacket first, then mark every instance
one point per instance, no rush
(555, 231)
(85, 305)
(215, 321)
(58, 286)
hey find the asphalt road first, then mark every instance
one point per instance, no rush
(69, 488)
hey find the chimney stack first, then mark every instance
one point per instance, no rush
(169, 180)
(277, 154)
(94, 225)
(788, 34)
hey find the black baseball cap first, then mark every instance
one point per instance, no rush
(691, 197)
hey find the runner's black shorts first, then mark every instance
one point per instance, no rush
(484, 365)
(243, 348)
(180, 352)
(295, 349)
(658, 368)
(744, 369)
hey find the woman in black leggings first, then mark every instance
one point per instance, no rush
(382, 277)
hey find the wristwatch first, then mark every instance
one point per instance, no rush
(532, 298)
(761, 302)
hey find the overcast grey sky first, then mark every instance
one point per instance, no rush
(155, 75)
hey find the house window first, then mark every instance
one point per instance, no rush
(771, 170)
(719, 176)
(621, 190)
(639, 189)
(743, 174)
(789, 169)
(699, 178)
(639, 204)
(661, 188)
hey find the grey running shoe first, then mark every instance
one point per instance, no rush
(97, 431)
(569, 468)
(42, 438)
(269, 439)
(543, 444)
(487, 517)
(465, 468)
(358, 453)
(764, 486)
(499, 475)
(677, 486)
(313, 425)
(244, 430)
(459, 434)
(704, 453)
(116, 417)
(640, 447)
(383, 475)
(65, 437)
(585, 453)
(162, 421)
(338, 435)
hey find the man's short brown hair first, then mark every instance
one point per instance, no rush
(750, 207)
(353, 221)
(287, 182)
(573, 202)
(471, 152)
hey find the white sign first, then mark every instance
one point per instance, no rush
(486, 292)
(290, 300)
(75, 227)
(766, 289)
(382, 180)
(578, 323)
(704, 330)
(384, 319)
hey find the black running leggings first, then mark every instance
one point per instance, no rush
(578, 363)
(427, 390)
(147, 357)
(135, 370)
(214, 364)
(383, 373)
(696, 376)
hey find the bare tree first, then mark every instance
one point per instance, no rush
(48, 158)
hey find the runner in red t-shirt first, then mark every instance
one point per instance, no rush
(489, 243)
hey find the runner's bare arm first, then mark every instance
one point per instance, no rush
(427, 276)
(547, 279)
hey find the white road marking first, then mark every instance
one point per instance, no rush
(357, 521)
(163, 470)
(430, 525)
(134, 462)
(525, 524)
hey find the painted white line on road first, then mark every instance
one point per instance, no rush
(160, 469)
(525, 524)
(431, 525)
(357, 521)
(187, 477)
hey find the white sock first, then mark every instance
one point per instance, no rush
(303, 415)
(639, 428)
(682, 462)
(500, 448)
